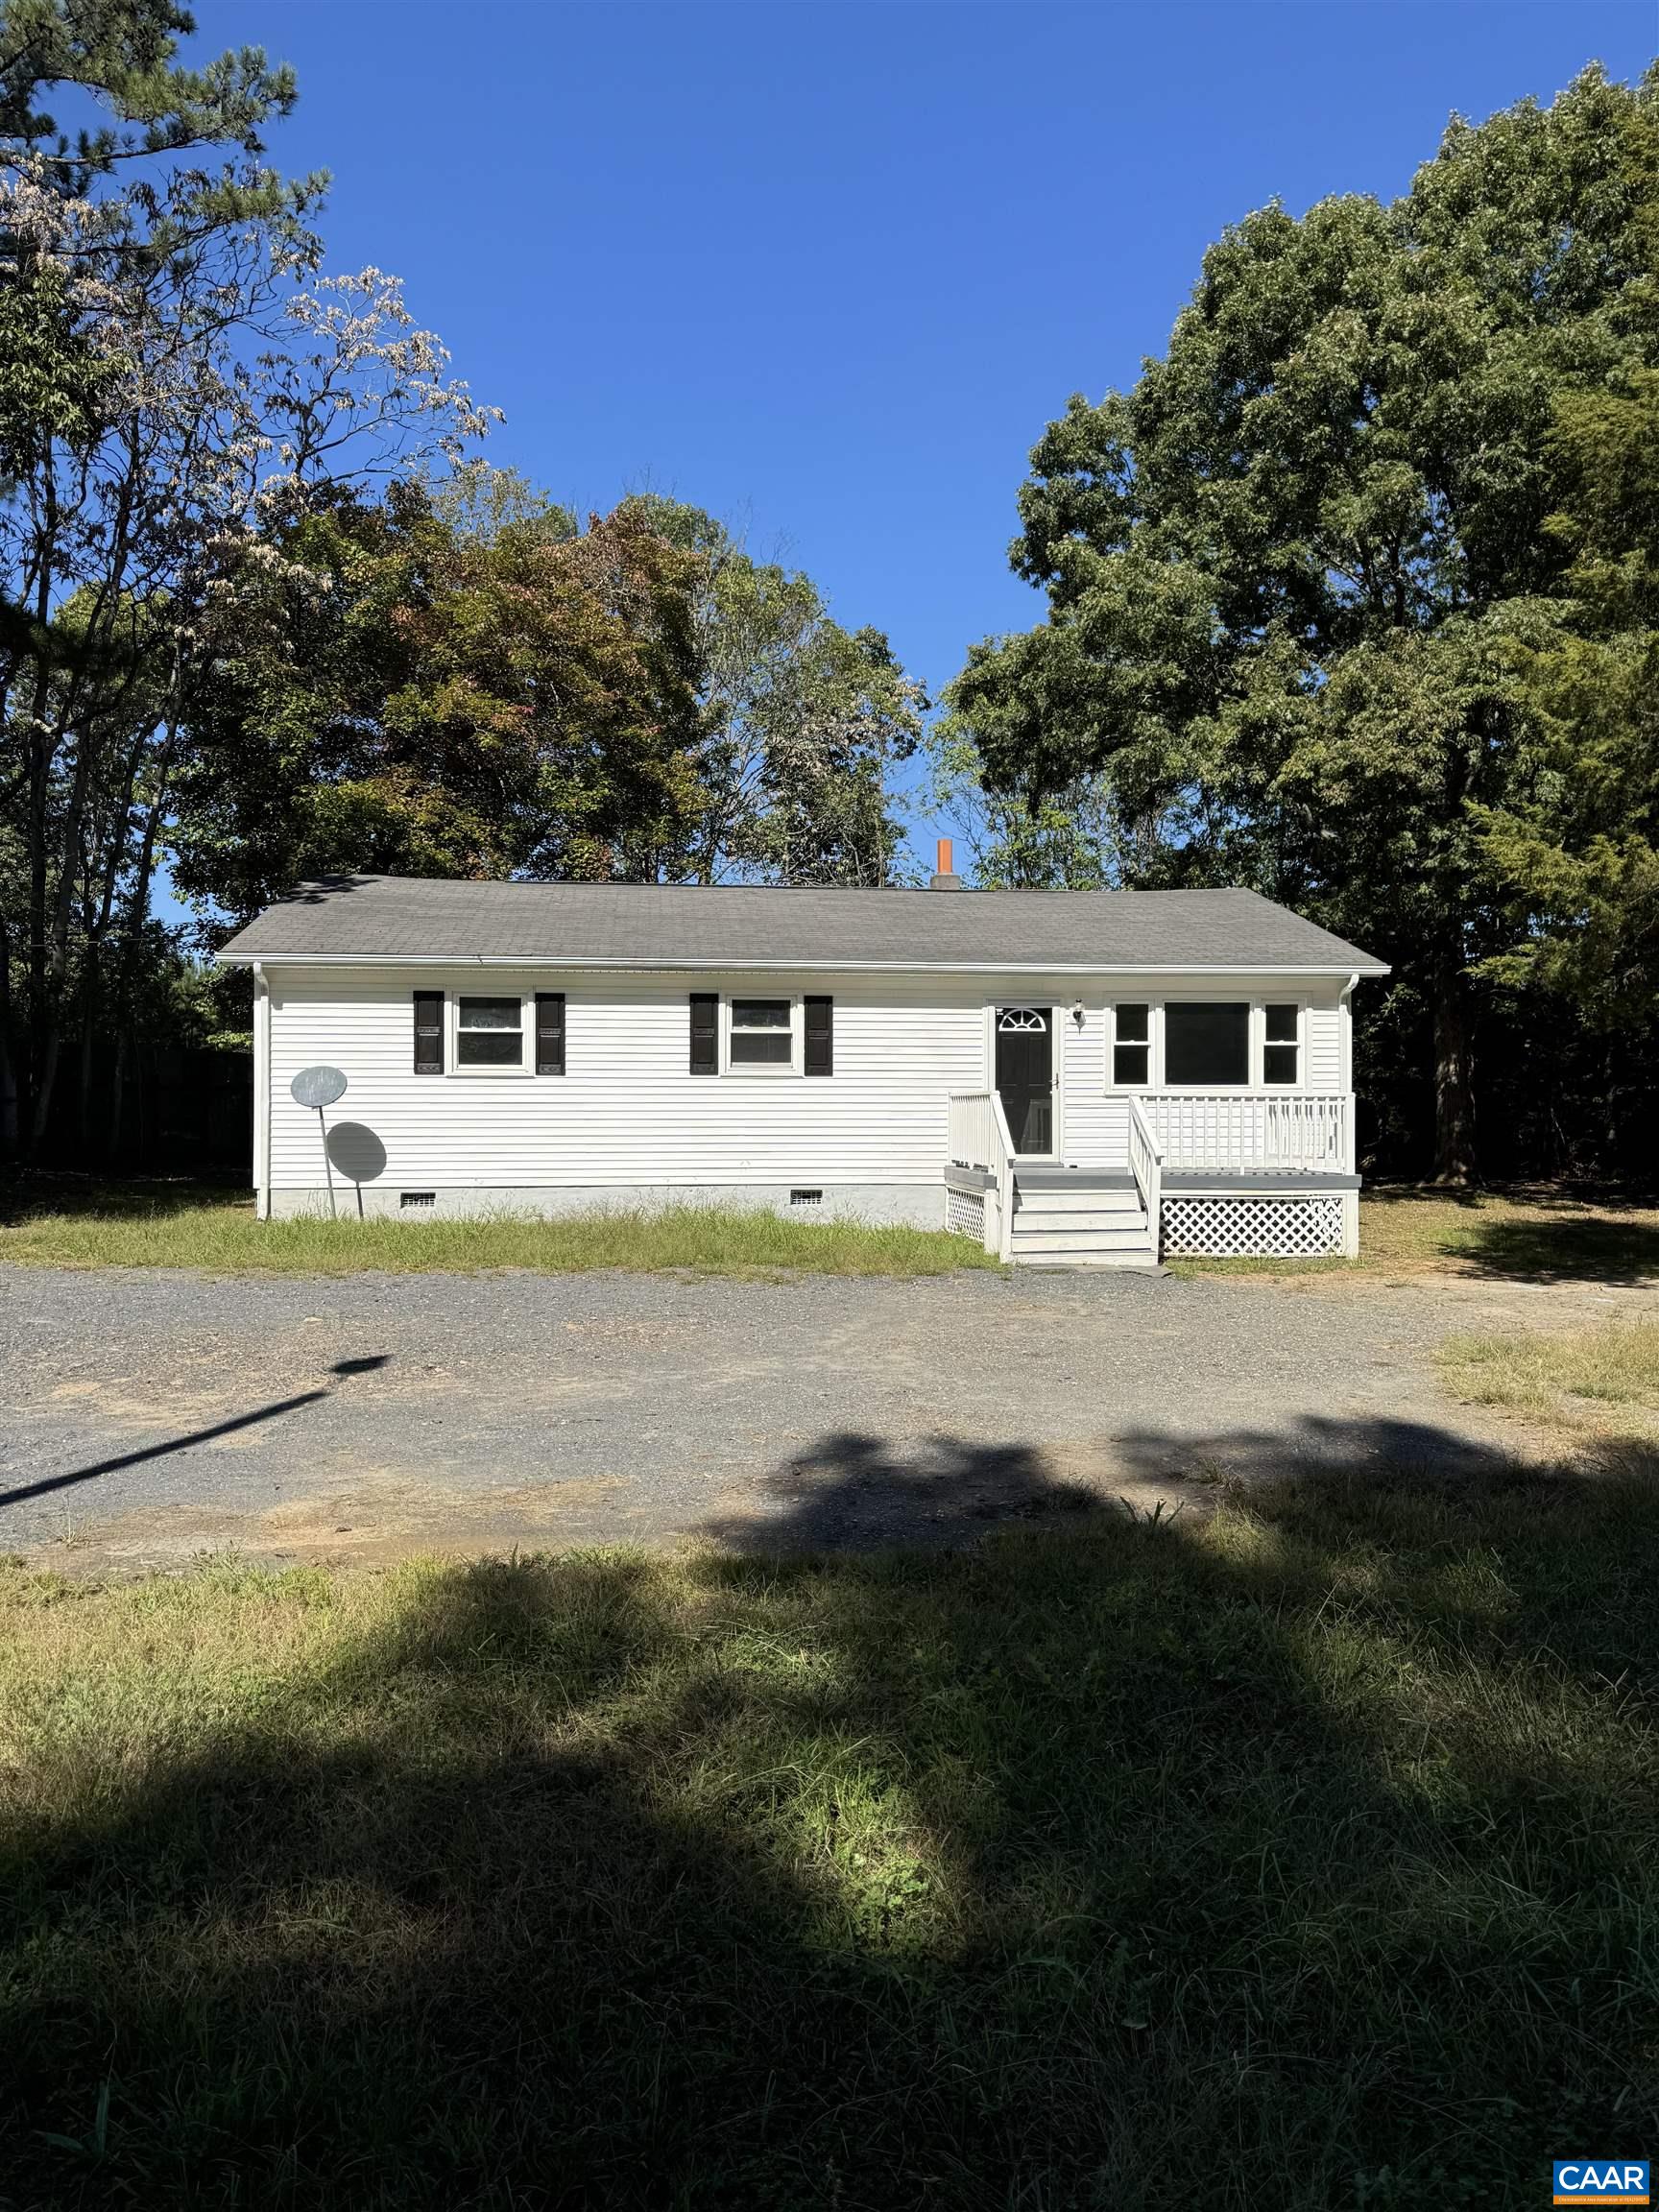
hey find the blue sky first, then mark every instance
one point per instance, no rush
(828, 269)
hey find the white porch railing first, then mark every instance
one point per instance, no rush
(1251, 1132)
(1147, 1165)
(978, 1138)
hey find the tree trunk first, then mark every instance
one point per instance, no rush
(1453, 1079)
(7, 1068)
(83, 1091)
(117, 1087)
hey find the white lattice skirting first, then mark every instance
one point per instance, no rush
(965, 1214)
(1253, 1228)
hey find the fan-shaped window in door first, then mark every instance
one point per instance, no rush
(1021, 1022)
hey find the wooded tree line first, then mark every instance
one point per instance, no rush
(1350, 597)
(264, 614)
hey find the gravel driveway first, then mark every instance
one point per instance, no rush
(147, 1416)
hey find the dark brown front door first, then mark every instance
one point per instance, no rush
(1026, 1076)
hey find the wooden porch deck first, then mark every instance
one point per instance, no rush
(1236, 1172)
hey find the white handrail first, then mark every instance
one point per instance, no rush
(1004, 1171)
(1252, 1132)
(973, 1133)
(978, 1138)
(1146, 1165)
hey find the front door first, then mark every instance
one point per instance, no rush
(1026, 1076)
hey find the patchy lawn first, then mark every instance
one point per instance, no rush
(61, 1224)
(1533, 1235)
(1305, 1855)
(1603, 1374)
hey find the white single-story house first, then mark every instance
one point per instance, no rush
(1077, 1077)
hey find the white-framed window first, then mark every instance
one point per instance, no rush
(1206, 1043)
(1283, 1043)
(490, 1033)
(762, 1035)
(1129, 1045)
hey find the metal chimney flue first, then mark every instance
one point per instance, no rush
(944, 877)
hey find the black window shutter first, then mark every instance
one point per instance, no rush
(705, 1033)
(429, 1032)
(820, 1036)
(549, 1032)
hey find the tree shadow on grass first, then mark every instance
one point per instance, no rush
(1564, 1238)
(37, 1193)
(1566, 1248)
(1298, 1855)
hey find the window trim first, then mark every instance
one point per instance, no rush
(1153, 1042)
(499, 1070)
(1255, 1080)
(1260, 1044)
(766, 1070)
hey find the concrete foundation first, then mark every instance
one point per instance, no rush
(911, 1205)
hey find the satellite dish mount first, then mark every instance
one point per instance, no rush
(318, 1088)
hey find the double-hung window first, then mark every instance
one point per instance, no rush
(490, 1035)
(1280, 1044)
(760, 1039)
(1131, 1045)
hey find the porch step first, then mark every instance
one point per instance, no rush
(1052, 1245)
(1051, 1229)
(1087, 1256)
(1082, 1252)
(1079, 1204)
(1084, 1224)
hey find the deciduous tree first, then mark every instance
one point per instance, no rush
(175, 370)
(1294, 572)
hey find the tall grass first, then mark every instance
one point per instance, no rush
(223, 1238)
(1305, 1857)
(1614, 1366)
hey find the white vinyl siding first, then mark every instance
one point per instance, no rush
(627, 1109)
(1322, 1045)
(629, 1113)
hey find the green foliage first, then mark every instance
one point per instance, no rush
(1293, 575)
(1575, 843)
(409, 697)
(456, 680)
(174, 374)
(802, 723)
(121, 52)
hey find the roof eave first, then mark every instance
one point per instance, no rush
(633, 964)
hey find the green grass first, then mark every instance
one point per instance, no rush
(1304, 1857)
(1614, 1366)
(1529, 1236)
(180, 1226)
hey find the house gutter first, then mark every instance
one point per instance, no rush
(746, 965)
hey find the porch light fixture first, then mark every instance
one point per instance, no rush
(1077, 1014)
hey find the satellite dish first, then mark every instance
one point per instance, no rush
(356, 1151)
(318, 1087)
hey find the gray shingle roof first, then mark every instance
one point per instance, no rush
(655, 925)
